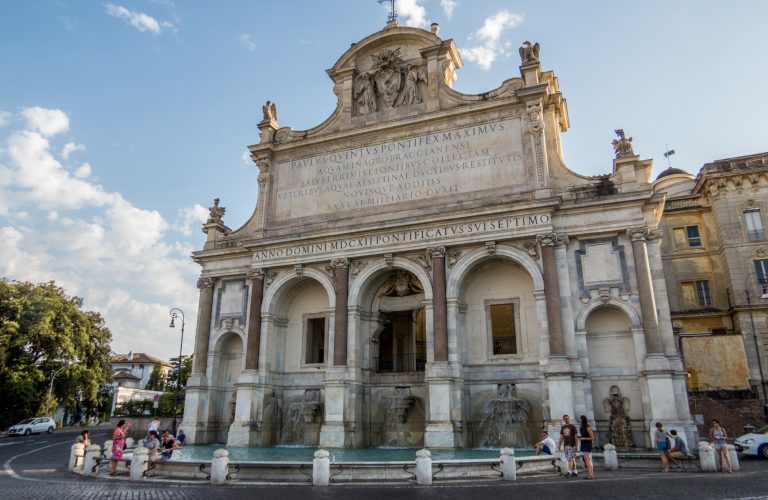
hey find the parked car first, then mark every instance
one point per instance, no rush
(754, 443)
(33, 425)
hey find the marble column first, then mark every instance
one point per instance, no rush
(440, 307)
(639, 235)
(552, 292)
(254, 320)
(203, 332)
(340, 319)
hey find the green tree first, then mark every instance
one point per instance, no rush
(156, 380)
(43, 332)
(186, 371)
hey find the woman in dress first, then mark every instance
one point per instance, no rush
(718, 436)
(586, 439)
(662, 445)
(118, 443)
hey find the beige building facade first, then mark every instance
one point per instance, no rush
(423, 270)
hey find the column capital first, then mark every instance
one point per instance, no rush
(206, 282)
(256, 274)
(643, 233)
(340, 263)
(535, 117)
(551, 239)
(436, 252)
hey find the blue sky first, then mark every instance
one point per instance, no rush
(121, 121)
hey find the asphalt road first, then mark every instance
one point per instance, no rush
(34, 467)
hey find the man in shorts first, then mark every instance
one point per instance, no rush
(569, 441)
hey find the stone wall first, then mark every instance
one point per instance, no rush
(733, 414)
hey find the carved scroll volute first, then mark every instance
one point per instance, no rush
(551, 239)
(263, 161)
(205, 282)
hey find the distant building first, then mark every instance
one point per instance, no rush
(137, 364)
(715, 251)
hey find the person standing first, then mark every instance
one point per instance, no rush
(181, 438)
(118, 443)
(568, 440)
(586, 439)
(662, 445)
(718, 435)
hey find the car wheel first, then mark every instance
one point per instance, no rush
(28, 432)
(50, 430)
(763, 451)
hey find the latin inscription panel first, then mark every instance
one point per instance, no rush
(433, 166)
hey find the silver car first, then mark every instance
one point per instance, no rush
(33, 425)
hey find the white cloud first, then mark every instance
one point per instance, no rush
(138, 20)
(490, 45)
(448, 7)
(94, 243)
(46, 121)
(5, 118)
(247, 42)
(415, 15)
(70, 148)
(246, 158)
(190, 217)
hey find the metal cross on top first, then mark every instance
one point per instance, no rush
(393, 13)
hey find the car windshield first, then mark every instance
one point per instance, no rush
(25, 422)
(763, 430)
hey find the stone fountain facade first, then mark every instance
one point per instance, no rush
(427, 239)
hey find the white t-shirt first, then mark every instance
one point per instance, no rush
(550, 443)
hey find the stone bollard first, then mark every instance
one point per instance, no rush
(108, 449)
(92, 453)
(321, 469)
(139, 463)
(610, 458)
(508, 464)
(707, 457)
(734, 457)
(76, 454)
(563, 462)
(219, 466)
(129, 442)
(423, 467)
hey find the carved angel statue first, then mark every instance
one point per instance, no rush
(270, 111)
(529, 53)
(622, 146)
(365, 94)
(216, 212)
(617, 407)
(411, 92)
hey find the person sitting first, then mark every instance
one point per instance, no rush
(181, 438)
(679, 449)
(546, 445)
(152, 443)
(84, 438)
(166, 448)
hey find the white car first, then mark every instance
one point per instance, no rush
(754, 443)
(33, 425)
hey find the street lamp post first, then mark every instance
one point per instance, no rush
(175, 313)
(760, 281)
(50, 387)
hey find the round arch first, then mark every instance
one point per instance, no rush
(471, 259)
(280, 286)
(583, 314)
(363, 279)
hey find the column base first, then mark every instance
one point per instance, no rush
(442, 435)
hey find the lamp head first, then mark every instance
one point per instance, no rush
(172, 319)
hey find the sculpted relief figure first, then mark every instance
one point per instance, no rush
(270, 111)
(411, 91)
(365, 94)
(617, 406)
(529, 53)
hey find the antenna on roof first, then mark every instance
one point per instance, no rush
(393, 13)
(667, 154)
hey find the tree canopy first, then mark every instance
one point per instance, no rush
(45, 337)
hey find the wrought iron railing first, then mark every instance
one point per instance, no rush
(504, 345)
(400, 364)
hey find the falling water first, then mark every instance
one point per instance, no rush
(504, 419)
(301, 420)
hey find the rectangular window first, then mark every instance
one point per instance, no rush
(503, 334)
(761, 269)
(696, 293)
(694, 240)
(753, 220)
(315, 335)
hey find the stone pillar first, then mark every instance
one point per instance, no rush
(219, 466)
(140, 463)
(321, 469)
(92, 453)
(76, 454)
(254, 320)
(203, 332)
(340, 321)
(508, 464)
(638, 235)
(552, 292)
(262, 161)
(610, 458)
(423, 467)
(440, 307)
(108, 449)
(707, 457)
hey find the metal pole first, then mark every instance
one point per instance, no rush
(50, 387)
(757, 345)
(174, 315)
